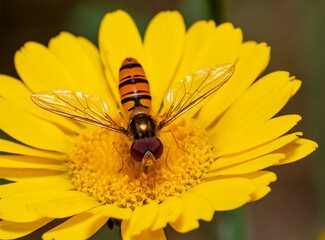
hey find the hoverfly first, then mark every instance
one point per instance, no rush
(143, 128)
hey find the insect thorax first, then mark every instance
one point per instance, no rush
(142, 126)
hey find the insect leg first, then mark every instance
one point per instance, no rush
(166, 159)
(179, 147)
(116, 148)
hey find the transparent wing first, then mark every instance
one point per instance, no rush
(194, 88)
(78, 106)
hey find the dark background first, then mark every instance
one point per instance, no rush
(295, 209)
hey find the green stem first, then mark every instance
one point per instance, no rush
(236, 217)
(217, 10)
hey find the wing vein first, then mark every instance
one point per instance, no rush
(193, 89)
(78, 106)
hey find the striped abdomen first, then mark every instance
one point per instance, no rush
(134, 87)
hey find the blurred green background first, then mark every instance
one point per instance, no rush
(295, 209)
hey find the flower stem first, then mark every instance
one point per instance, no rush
(217, 10)
(237, 222)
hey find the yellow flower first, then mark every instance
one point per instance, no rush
(63, 169)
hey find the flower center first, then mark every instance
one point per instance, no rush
(100, 164)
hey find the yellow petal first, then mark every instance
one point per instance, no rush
(261, 179)
(14, 161)
(85, 224)
(168, 211)
(296, 87)
(18, 174)
(32, 185)
(13, 230)
(150, 235)
(12, 147)
(225, 194)
(65, 205)
(81, 226)
(94, 56)
(236, 141)
(19, 207)
(31, 130)
(14, 208)
(247, 69)
(163, 48)
(260, 150)
(195, 208)
(87, 70)
(125, 229)
(246, 47)
(195, 37)
(144, 235)
(41, 70)
(248, 166)
(222, 47)
(142, 218)
(259, 103)
(296, 150)
(113, 211)
(260, 193)
(119, 38)
(20, 159)
(17, 93)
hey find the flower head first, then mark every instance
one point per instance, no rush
(216, 152)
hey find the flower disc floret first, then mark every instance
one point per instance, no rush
(100, 164)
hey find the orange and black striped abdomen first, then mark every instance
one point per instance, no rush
(134, 86)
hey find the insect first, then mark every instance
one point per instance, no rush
(143, 128)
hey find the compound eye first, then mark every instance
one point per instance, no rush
(156, 147)
(138, 149)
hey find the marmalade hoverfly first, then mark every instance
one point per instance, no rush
(136, 101)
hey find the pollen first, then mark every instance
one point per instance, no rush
(100, 164)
